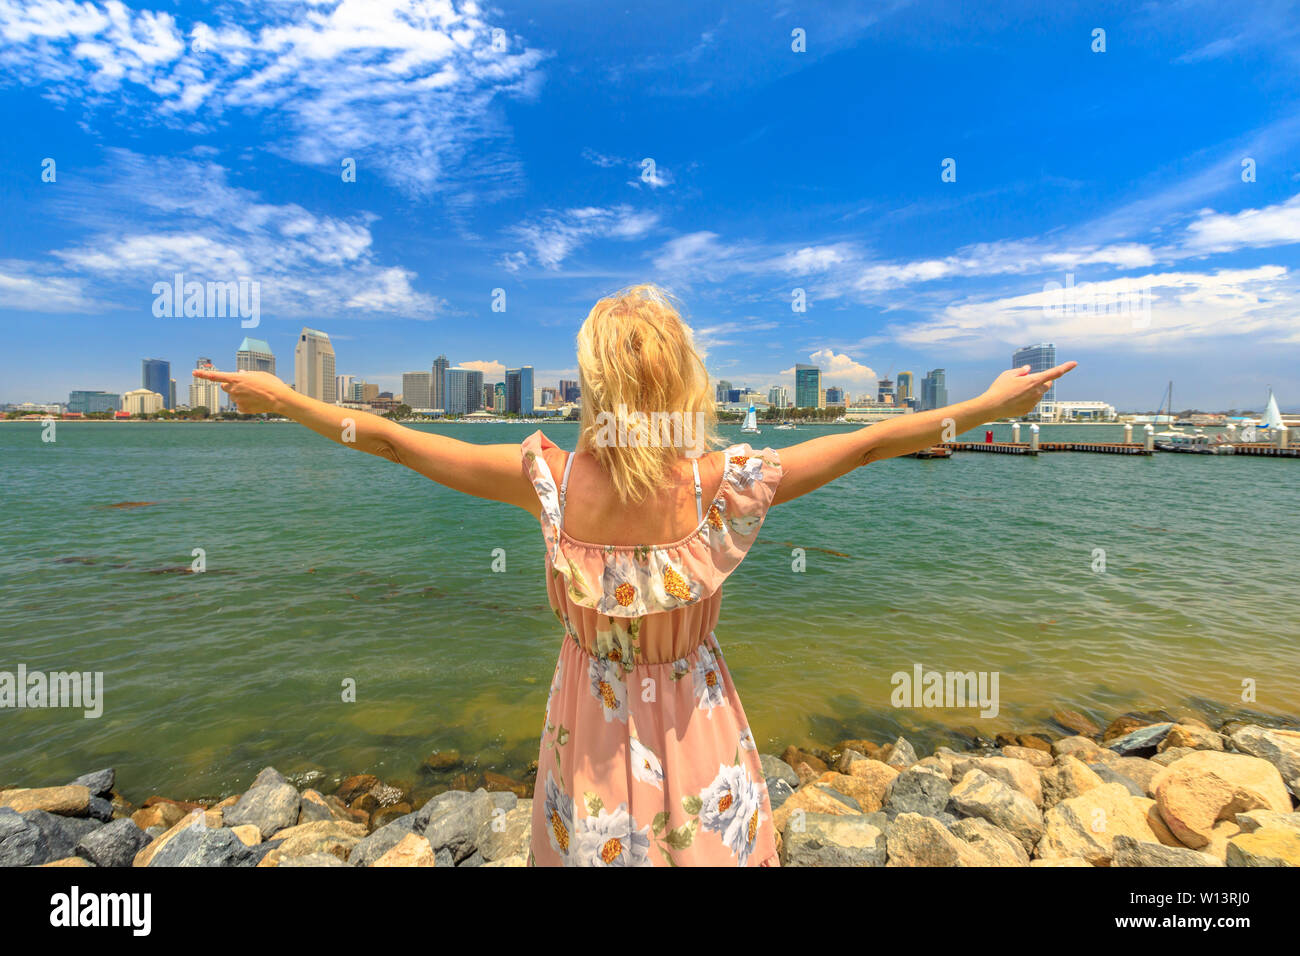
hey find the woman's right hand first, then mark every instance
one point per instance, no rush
(252, 392)
(1017, 390)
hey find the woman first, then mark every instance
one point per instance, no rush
(646, 756)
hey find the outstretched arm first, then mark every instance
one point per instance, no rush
(811, 464)
(486, 471)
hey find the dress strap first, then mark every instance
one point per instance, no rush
(699, 505)
(564, 485)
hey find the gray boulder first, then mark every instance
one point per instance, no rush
(829, 840)
(270, 804)
(114, 844)
(99, 782)
(22, 843)
(917, 790)
(778, 791)
(1281, 748)
(979, 795)
(382, 840)
(1130, 852)
(774, 766)
(57, 840)
(1141, 742)
(456, 828)
(200, 845)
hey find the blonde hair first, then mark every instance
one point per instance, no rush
(639, 371)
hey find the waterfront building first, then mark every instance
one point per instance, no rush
(141, 401)
(903, 390)
(885, 391)
(464, 390)
(156, 376)
(1039, 358)
(254, 355)
(569, 390)
(87, 401)
(547, 397)
(722, 390)
(778, 396)
(499, 398)
(417, 389)
(171, 393)
(313, 366)
(934, 389)
(519, 390)
(489, 395)
(440, 366)
(874, 411)
(1080, 411)
(807, 386)
(343, 387)
(834, 395)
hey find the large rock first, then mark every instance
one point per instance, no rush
(506, 833)
(1206, 786)
(320, 836)
(865, 793)
(113, 844)
(1086, 826)
(1019, 775)
(1253, 820)
(198, 845)
(198, 818)
(826, 840)
(980, 795)
(808, 800)
(1076, 723)
(1141, 742)
(165, 815)
(270, 804)
(367, 851)
(1267, 846)
(57, 840)
(1191, 737)
(72, 800)
(412, 850)
(1068, 778)
(99, 782)
(997, 846)
(457, 828)
(1035, 756)
(918, 790)
(21, 841)
(914, 840)
(1130, 852)
(774, 766)
(901, 754)
(1281, 748)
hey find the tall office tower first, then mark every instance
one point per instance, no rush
(156, 376)
(171, 393)
(885, 391)
(489, 395)
(547, 396)
(440, 366)
(807, 386)
(254, 355)
(519, 390)
(369, 391)
(499, 397)
(313, 366)
(568, 390)
(904, 388)
(721, 390)
(778, 396)
(417, 389)
(834, 395)
(934, 390)
(206, 394)
(1039, 358)
(464, 390)
(343, 387)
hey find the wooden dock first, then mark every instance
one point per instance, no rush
(992, 447)
(1096, 447)
(1264, 448)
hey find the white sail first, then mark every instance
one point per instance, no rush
(751, 422)
(1272, 417)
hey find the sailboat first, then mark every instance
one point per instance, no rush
(751, 422)
(1272, 416)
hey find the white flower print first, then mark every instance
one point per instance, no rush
(608, 688)
(622, 588)
(743, 474)
(744, 525)
(611, 839)
(747, 740)
(645, 765)
(709, 691)
(732, 807)
(670, 586)
(614, 643)
(559, 816)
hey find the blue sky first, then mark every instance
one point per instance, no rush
(504, 147)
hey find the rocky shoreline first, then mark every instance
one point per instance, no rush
(1143, 792)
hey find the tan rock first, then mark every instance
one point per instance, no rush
(70, 801)
(1196, 792)
(412, 850)
(1191, 736)
(509, 861)
(1019, 775)
(1081, 747)
(1252, 820)
(1034, 756)
(228, 802)
(867, 791)
(1068, 778)
(1223, 831)
(915, 840)
(321, 836)
(1075, 722)
(1157, 822)
(1267, 846)
(208, 818)
(794, 756)
(1086, 825)
(1062, 861)
(880, 774)
(809, 800)
(806, 772)
(165, 815)
(68, 861)
(248, 834)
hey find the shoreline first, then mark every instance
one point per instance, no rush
(1173, 792)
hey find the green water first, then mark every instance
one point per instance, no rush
(324, 565)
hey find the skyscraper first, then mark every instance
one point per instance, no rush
(499, 397)
(205, 394)
(440, 366)
(885, 391)
(464, 390)
(778, 396)
(807, 386)
(343, 387)
(313, 366)
(417, 389)
(1039, 358)
(568, 390)
(904, 388)
(156, 376)
(254, 355)
(934, 389)
(519, 390)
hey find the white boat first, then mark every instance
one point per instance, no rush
(785, 427)
(751, 422)
(1272, 417)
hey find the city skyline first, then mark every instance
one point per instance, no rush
(951, 216)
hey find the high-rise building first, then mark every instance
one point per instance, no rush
(417, 389)
(141, 401)
(721, 390)
(568, 390)
(343, 387)
(156, 376)
(440, 366)
(904, 388)
(171, 393)
(87, 401)
(519, 390)
(313, 366)
(885, 391)
(778, 396)
(1039, 358)
(934, 389)
(489, 395)
(206, 394)
(834, 395)
(464, 390)
(807, 386)
(254, 355)
(499, 397)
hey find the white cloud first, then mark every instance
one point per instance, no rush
(493, 371)
(837, 368)
(553, 237)
(1251, 228)
(407, 87)
(25, 289)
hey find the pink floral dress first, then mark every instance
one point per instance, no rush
(646, 756)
